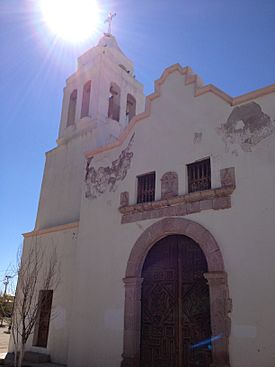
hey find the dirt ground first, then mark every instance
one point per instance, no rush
(4, 341)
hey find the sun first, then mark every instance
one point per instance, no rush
(72, 20)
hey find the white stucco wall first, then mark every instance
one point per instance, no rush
(65, 165)
(89, 301)
(61, 186)
(59, 245)
(164, 142)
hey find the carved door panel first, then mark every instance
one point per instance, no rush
(175, 305)
(194, 305)
(159, 332)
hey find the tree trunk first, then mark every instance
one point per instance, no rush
(15, 355)
(21, 355)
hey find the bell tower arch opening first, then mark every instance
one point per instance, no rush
(130, 107)
(216, 277)
(72, 108)
(114, 102)
(85, 106)
(109, 96)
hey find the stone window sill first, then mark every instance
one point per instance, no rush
(181, 205)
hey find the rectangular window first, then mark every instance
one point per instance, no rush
(146, 188)
(43, 322)
(199, 175)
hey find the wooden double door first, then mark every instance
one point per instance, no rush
(175, 313)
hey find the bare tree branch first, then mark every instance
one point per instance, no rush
(36, 271)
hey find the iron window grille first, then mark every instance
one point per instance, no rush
(146, 188)
(199, 175)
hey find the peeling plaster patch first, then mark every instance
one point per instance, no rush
(247, 125)
(140, 227)
(59, 320)
(113, 319)
(197, 138)
(239, 125)
(244, 331)
(99, 180)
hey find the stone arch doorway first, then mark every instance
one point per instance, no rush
(220, 304)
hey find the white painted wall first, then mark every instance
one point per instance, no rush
(65, 165)
(63, 244)
(163, 142)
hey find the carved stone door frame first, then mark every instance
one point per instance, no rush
(220, 303)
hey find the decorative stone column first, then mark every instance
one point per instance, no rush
(132, 319)
(220, 306)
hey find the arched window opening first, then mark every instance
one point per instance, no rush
(72, 108)
(130, 108)
(86, 99)
(114, 102)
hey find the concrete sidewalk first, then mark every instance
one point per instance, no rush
(4, 341)
(9, 363)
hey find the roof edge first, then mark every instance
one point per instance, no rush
(199, 89)
(58, 228)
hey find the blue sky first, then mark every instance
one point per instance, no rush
(229, 43)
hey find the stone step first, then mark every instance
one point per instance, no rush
(34, 357)
(31, 359)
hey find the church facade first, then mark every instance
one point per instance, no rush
(161, 210)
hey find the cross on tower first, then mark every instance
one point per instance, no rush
(109, 20)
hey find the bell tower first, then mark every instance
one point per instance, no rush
(102, 96)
